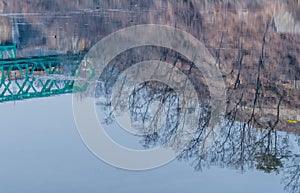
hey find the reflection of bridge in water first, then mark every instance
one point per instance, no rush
(35, 77)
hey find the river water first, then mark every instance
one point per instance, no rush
(46, 141)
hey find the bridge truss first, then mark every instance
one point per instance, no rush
(36, 77)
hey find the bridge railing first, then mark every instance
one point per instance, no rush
(37, 77)
(9, 51)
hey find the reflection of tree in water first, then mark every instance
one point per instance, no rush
(291, 178)
(267, 158)
(240, 145)
(167, 103)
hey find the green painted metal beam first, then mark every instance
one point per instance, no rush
(8, 51)
(37, 77)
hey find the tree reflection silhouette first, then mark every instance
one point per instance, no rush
(241, 145)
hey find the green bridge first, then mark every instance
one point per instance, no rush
(35, 77)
